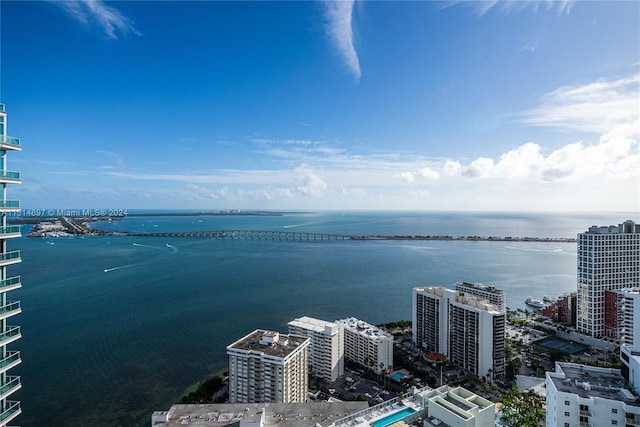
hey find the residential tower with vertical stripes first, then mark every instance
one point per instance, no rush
(9, 358)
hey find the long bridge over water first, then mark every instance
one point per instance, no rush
(311, 236)
(247, 234)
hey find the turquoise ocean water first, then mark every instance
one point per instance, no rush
(117, 327)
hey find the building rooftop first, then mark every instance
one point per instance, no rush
(479, 286)
(626, 227)
(269, 342)
(312, 324)
(592, 382)
(275, 414)
(362, 327)
(461, 297)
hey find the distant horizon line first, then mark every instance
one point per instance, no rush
(299, 210)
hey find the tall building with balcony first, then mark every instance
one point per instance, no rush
(367, 345)
(468, 330)
(266, 366)
(326, 349)
(9, 384)
(608, 259)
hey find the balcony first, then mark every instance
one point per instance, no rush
(9, 205)
(12, 385)
(9, 143)
(11, 334)
(584, 424)
(10, 284)
(9, 258)
(10, 231)
(11, 360)
(11, 410)
(10, 309)
(7, 176)
(585, 413)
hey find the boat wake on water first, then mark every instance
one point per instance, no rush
(106, 270)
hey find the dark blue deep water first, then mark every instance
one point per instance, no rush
(116, 327)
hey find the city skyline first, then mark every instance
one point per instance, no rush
(511, 106)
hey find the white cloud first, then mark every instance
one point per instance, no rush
(407, 176)
(428, 173)
(479, 168)
(339, 16)
(95, 12)
(562, 7)
(310, 184)
(451, 167)
(599, 107)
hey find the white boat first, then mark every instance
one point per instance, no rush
(548, 299)
(534, 303)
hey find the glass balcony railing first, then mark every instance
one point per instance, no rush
(13, 383)
(10, 307)
(10, 141)
(12, 357)
(11, 408)
(10, 282)
(9, 204)
(9, 256)
(11, 332)
(15, 176)
(10, 229)
(1, 108)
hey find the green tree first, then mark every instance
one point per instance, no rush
(522, 409)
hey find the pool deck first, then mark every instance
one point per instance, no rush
(380, 411)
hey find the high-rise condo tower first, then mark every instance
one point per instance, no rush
(608, 259)
(9, 409)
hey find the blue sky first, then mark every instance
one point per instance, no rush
(495, 106)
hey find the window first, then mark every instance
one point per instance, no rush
(566, 414)
(566, 402)
(614, 422)
(566, 425)
(614, 411)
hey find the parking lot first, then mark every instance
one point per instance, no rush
(353, 386)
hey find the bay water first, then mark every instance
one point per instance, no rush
(117, 327)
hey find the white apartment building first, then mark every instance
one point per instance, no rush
(631, 317)
(266, 366)
(630, 361)
(586, 396)
(326, 349)
(468, 330)
(608, 259)
(494, 295)
(367, 345)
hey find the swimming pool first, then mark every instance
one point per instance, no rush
(398, 376)
(392, 418)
